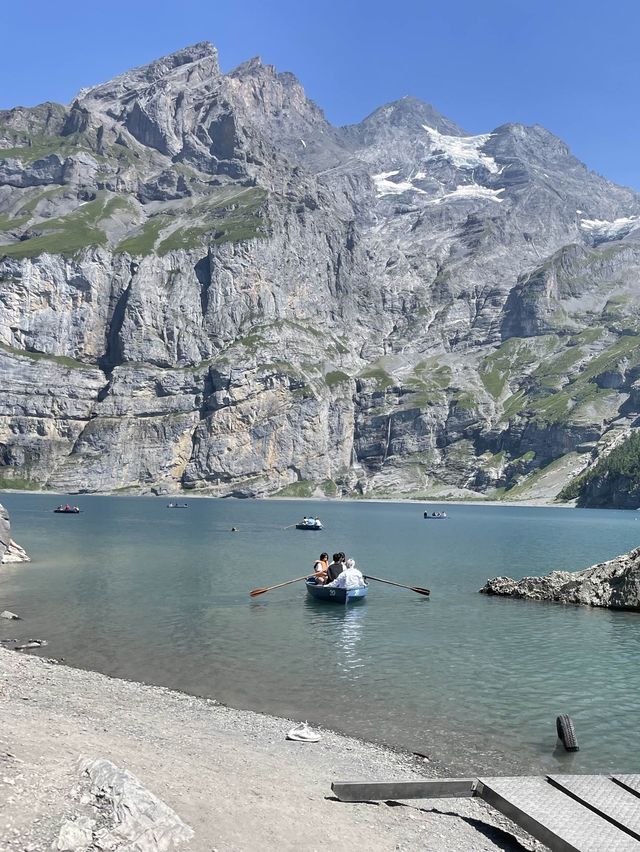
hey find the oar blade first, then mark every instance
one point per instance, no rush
(417, 589)
(255, 592)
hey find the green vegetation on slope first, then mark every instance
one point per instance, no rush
(512, 359)
(229, 214)
(36, 146)
(68, 234)
(561, 388)
(62, 360)
(623, 461)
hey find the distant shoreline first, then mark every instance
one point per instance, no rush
(185, 496)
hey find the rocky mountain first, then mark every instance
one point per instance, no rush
(204, 284)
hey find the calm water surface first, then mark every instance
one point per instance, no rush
(133, 589)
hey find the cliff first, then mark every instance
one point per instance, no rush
(205, 285)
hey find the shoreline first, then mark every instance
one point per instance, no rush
(427, 501)
(230, 774)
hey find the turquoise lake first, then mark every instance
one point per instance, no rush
(136, 590)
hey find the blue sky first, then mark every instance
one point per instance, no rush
(570, 65)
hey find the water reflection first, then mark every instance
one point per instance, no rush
(349, 655)
(341, 628)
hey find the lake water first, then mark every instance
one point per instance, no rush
(133, 589)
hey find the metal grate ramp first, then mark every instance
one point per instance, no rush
(568, 813)
(562, 822)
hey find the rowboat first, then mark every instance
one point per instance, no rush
(438, 516)
(67, 510)
(332, 595)
(177, 506)
(310, 524)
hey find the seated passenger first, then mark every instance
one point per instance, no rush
(320, 567)
(350, 578)
(336, 567)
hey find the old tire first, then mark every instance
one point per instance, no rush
(567, 733)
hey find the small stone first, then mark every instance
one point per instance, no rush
(10, 615)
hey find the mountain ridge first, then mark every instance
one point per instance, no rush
(234, 295)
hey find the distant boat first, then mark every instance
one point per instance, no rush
(436, 516)
(309, 524)
(177, 506)
(67, 510)
(332, 595)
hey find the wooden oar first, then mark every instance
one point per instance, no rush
(255, 592)
(417, 589)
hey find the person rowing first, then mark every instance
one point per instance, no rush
(336, 567)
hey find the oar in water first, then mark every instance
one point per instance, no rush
(417, 589)
(255, 592)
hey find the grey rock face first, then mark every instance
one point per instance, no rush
(614, 584)
(204, 284)
(9, 550)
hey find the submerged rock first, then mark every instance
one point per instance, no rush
(9, 550)
(10, 615)
(31, 643)
(614, 584)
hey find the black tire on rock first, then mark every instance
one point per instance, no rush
(567, 732)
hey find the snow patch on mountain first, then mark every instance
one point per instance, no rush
(384, 186)
(462, 151)
(469, 192)
(610, 229)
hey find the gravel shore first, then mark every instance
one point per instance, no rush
(231, 775)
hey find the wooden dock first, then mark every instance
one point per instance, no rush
(568, 813)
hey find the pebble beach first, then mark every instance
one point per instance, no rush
(229, 775)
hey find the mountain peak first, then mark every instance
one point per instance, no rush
(410, 113)
(203, 53)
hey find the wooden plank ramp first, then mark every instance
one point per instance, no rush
(568, 813)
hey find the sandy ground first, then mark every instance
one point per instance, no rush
(231, 775)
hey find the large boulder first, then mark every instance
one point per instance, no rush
(614, 584)
(9, 550)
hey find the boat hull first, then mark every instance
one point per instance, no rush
(308, 527)
(329, 594)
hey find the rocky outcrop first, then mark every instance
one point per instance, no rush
(140, 821)
(206, 285)
(614, 584)
(9, 550)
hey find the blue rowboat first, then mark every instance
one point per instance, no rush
(331, 595)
